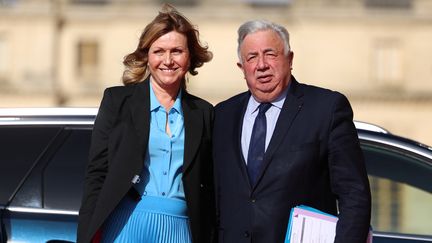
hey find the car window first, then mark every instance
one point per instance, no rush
(401, 190)
(57, 181)
(64, 176)
(20, 148)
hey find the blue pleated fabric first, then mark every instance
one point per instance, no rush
(151, 220)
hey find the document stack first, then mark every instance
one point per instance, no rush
(310, 225)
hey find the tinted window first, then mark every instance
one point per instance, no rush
(20, 147)
(57, 181)
(64, 176)
(401, 190)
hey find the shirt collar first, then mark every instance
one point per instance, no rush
(177, 103)
(278, 102)
(154, 102)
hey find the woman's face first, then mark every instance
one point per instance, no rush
(168, 60)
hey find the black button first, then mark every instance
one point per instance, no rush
(246, 234)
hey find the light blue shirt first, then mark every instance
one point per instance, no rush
(163, 163)
(272, 116)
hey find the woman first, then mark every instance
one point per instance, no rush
(150, 173)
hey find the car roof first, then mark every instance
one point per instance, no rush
(370, 127)
(86, 116)
(47, 116)
(68, 115)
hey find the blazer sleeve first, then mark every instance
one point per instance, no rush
(348, 176)
(97, 166)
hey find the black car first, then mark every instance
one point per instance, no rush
(44, 153)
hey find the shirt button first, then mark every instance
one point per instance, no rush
(246, 234)
(253, 200)
(163, 193)
(171, 121)
(165, 173)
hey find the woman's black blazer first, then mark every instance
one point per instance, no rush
(119, 143)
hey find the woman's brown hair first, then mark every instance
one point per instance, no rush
(168, 19)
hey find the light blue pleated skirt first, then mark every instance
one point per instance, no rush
(150, 220)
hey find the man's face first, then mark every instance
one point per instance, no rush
(266, 69)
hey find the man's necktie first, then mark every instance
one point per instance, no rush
(257, 143)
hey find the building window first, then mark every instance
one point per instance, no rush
(90, 2)
(397, 4)
(388, 63)
(4, 58)
(87, 59)
(268, 2)
(180, 2)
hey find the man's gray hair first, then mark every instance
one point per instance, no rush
(258, 25)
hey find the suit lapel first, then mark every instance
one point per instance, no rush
(290, 109)
(193, 122)
(238, 124)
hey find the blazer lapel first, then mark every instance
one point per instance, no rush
(193, 123)
(140, 112)
(292, 105)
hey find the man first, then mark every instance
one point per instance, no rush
(283, 144)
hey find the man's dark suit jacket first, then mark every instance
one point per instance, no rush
(313, 158)
(118, 147)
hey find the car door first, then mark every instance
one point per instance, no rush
(400, 175)
(44, 205)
